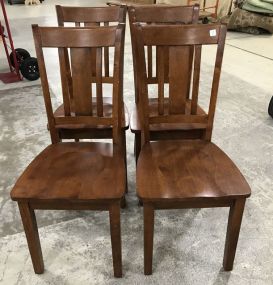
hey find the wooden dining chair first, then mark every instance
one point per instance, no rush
(90, 17)
(178, 15)
(185, 173)
(76, 175)
(98, 61)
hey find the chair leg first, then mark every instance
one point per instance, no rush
(114, 213)
(137, 145)
(233, 230)
(123, 202)
(32, 235)
(148, 238)
(125, 157)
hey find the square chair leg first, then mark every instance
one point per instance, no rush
(233, 230)
(114, 213)
(148, 238)
(32, 235)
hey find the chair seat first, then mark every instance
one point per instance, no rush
(107, 109)
(74, 172)
(135, 125)
(185, 170)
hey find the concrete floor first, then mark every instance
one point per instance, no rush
(247, 58)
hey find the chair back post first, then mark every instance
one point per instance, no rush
(143, 106)
(79, 41)
(45, 87)
(178, 39)
(216, 80)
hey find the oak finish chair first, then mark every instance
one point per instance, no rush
(175, 15)
(185, 173)
(76, 175)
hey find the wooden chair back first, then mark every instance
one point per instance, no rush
(158, 14)
(83, 111)
(90, 17)
(178, 40)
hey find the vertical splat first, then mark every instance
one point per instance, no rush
(196, 78)
(179, 77)
(81, 81)
(161, 78)
(99, 82)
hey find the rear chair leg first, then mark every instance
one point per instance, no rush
(137, 145)
(125, 157)
(233, 230)
(32, 235)
(114, 212)
(148, 238)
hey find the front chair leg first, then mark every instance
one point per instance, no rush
(32, 235)
(114, 212)
(233, 230)
(148, 238)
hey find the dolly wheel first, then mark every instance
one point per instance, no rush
(21, 55)
(29, 68)
(270, 107)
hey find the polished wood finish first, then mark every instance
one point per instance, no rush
(99, 74)
(189, 173)
(185, 170)
(77, 175)
(161, 75)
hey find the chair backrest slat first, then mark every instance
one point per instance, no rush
(179, 74)
(81, 81)
(161, 79)
(167, 14)
(90, 14)
(182, 42)
(99, 82)
(77, 37)
(66, 79)
(150, 61)
(196, 78)
(106, 56)
(79, 110)
(203, 34)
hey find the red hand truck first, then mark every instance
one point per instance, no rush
(19, 60)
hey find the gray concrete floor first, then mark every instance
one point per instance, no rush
(247, 58)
